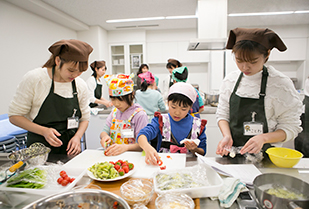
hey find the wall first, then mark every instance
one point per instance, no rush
(24, 43)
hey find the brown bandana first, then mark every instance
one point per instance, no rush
(265, 37)
(97, 64)
(71, 50)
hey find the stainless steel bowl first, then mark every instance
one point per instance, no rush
(212, 99)
(84, 198)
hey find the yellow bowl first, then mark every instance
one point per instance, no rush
(284, 157)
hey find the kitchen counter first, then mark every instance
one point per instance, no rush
(265, 167)
(208, 109)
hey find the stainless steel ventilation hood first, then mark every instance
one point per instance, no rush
(212, 26)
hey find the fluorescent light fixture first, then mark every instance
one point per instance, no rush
(181, 17)
(135, 19)
(301, 12)
(260, 13)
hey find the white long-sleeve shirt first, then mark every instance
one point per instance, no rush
(34, 88)
(92, 85)
(283, 106)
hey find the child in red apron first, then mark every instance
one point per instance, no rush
(177, 131)
(126, 119)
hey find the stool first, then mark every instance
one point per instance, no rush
(7, 144)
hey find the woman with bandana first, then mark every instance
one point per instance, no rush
(258, 106)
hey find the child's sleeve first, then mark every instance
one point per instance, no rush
(202, 138)
(200, 100)
(151, 130)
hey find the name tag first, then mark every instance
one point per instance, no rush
(253, 128)
(127, 133)
(73, 122)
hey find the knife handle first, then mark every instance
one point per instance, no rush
(14, 167)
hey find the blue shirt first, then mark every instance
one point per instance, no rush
(180, 130)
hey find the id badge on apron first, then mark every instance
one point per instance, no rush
(73, 122)
(253, 128)
(128, 133)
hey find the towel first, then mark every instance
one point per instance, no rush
(230, 191)
(95, 111)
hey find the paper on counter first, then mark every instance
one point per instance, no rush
(245, 172)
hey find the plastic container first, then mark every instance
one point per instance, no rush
(174, 200)
(137, 191)
(201, 174)
(284, 157)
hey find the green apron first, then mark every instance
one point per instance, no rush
(241, 109)
(97, 93)
(54, 112)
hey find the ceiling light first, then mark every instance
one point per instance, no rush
(135, 19)
(181, 17)
(260, 13)
(300, 12)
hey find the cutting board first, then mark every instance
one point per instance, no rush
(89, 157)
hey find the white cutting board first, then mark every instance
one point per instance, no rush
(89, 157)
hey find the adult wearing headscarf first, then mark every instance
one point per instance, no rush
(259, 106)
(95, 85)
(168, 81)
(51, 102)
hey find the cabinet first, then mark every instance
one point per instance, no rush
(95, 127)
(213, 134)
(126, 58)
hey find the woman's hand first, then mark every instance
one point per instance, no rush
(74, 146)
(50, 135)
(253, 145)
(151, 156)
(116, 149)
(226, 142)
(108, 103)
(105, 140)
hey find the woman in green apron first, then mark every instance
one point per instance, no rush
(95, 85)
(259, 106)
(51, 102)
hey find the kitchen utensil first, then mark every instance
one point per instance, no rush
(36, 154)
(264, 182)
(284, 157)
(212, 99)
(83, 198)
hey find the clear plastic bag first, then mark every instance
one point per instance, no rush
(174, 200)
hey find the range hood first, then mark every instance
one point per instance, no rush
(212, 25)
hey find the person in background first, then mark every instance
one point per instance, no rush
(95, 85)
(302, 140)
(125, 120)
(150, 99)
(180, 74)
(143, 69)
(168, 81)
(51, 102)
(259, 106)
(166, 132)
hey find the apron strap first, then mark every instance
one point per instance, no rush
(263, 82)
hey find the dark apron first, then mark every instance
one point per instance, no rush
(301, 142)
(241, 109)
(54, 113)
(97, 93)
(171, 81)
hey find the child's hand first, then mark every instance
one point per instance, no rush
(105, 140)
(116, 149)
(190, 145)
(152, 156)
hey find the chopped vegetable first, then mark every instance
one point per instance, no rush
(31, 178)
(104, 170)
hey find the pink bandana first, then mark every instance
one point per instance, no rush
(147, 76)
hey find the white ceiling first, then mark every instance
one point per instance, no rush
(80, 14)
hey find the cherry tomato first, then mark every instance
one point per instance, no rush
(160, 162)
(64, 182)
(71, 180)
(64, 175)
(66, 178)
(163, 167)
(59, 180)
(62, 172)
